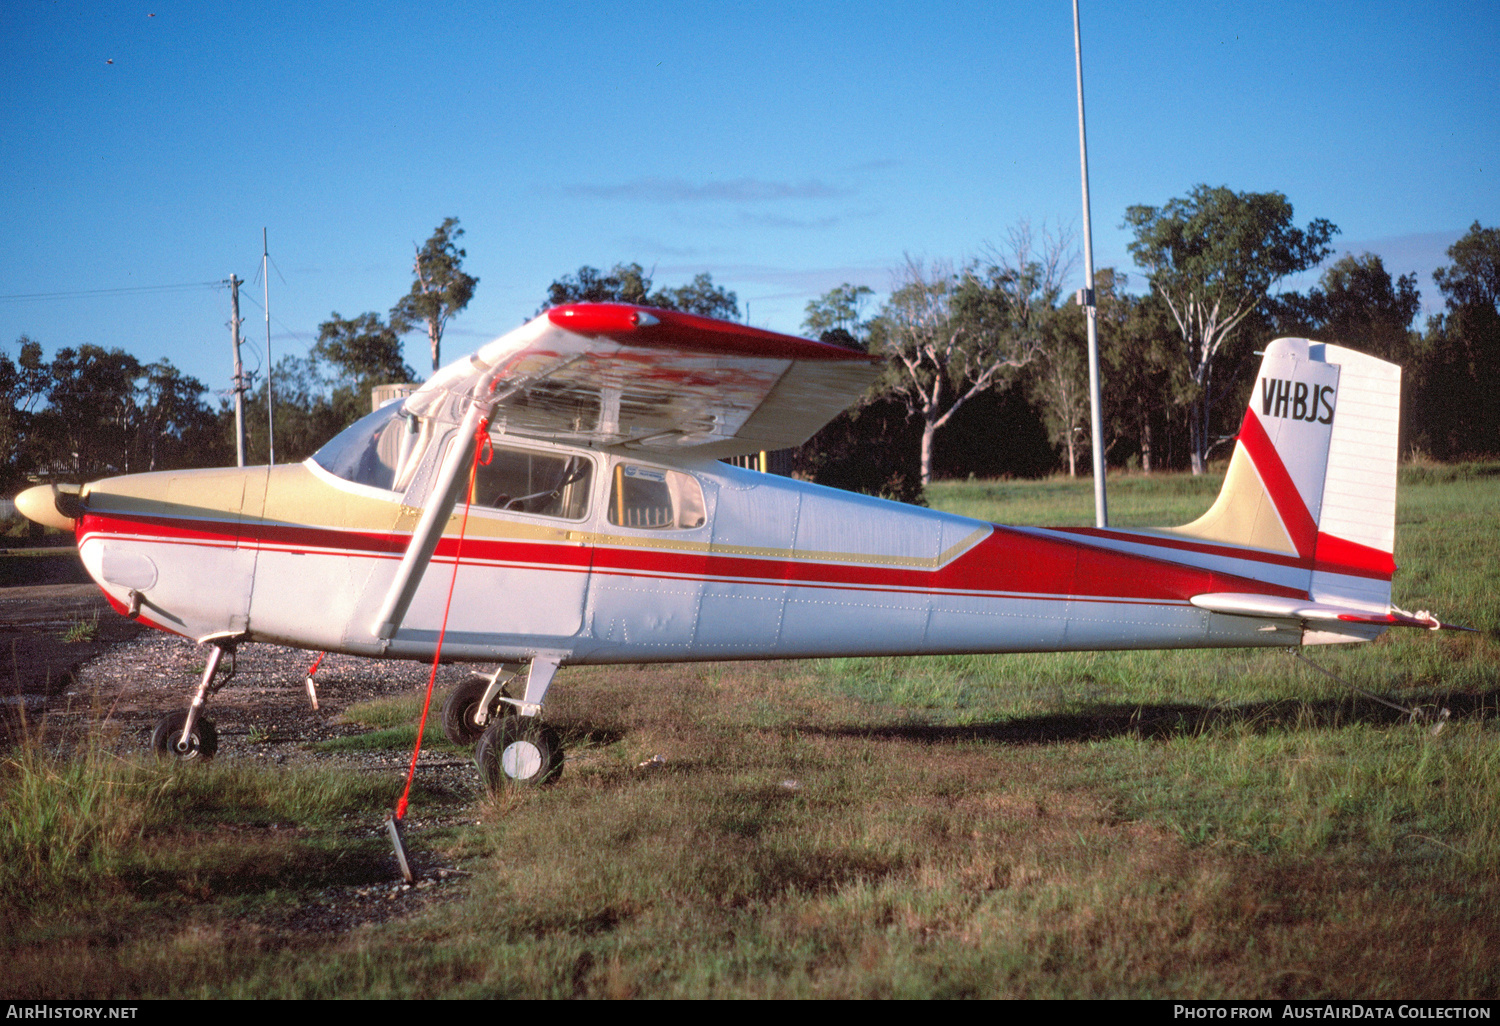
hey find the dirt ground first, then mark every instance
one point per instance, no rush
(120, 680)
(47, 633)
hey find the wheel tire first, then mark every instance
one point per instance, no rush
(202, 743)
(460, 707)
(518, 751)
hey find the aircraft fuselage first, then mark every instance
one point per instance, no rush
(701, 561)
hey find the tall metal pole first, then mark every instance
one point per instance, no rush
(1101, 508)
(239, 372)
(265, 280)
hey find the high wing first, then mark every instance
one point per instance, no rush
(616, 376)
(626, 377)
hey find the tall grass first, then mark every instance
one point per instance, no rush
(66, 821)
(78, 824)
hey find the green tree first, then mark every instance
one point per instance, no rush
(1213, 257)
(1474, 278)
(627, 283)
(836, 316)
(1460, 354)
(700, 296)
(23, 384)
(949, 337)
(1136, 360)
(361, 353)
(1058, 384)
(306, 416)
(172, 426)
(439, 288)
(91, 412)
(630, 283)
(1356, 303)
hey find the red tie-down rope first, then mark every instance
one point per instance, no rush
(483, 453)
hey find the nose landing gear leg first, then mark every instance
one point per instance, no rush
(187, 735)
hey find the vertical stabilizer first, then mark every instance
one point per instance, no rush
(1313, 474)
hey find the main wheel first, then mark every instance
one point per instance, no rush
(203, 742)
(518, 750)
(462, 704)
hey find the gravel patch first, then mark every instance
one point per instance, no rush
(264, 714)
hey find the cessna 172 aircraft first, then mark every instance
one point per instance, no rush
(580, 454)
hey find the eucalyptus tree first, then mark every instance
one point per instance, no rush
(1356, 303)
(626, 283)
(439, 288)
(1059, 385)
(631, 283)
(361, 353)
(1457, 412)
(836, 316)
(949, 336)
(23, 384)
(1213, 257)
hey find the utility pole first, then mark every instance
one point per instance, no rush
(239, 373)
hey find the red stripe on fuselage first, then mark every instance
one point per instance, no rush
(1007, 561)
(1335, 555)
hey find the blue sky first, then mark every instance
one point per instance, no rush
(785, 148)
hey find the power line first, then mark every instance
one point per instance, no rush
(121, 291)
(292, 332)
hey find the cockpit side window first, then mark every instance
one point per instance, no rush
(654, 498)
(524, 481)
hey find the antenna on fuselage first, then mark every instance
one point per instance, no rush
(1086, 297)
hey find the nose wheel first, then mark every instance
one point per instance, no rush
(202, 740)
(187, 735)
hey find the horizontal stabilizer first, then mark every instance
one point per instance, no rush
(1275, 607)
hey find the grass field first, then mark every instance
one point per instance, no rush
(1191, 824)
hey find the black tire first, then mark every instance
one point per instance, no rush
(518, 751)
(202, 743)
(460, 707)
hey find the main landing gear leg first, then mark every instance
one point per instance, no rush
(472, 705)
(521, 750)
(188, 735)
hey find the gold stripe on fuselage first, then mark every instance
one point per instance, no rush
(297, 496)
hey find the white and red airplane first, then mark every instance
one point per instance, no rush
(580, 458)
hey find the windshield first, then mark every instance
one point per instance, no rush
(368, 451)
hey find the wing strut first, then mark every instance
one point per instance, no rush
(430, 528)
(450, 483)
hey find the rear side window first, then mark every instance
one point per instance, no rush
(654, 498)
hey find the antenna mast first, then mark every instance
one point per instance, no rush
(1101, 509)
(265, 280)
